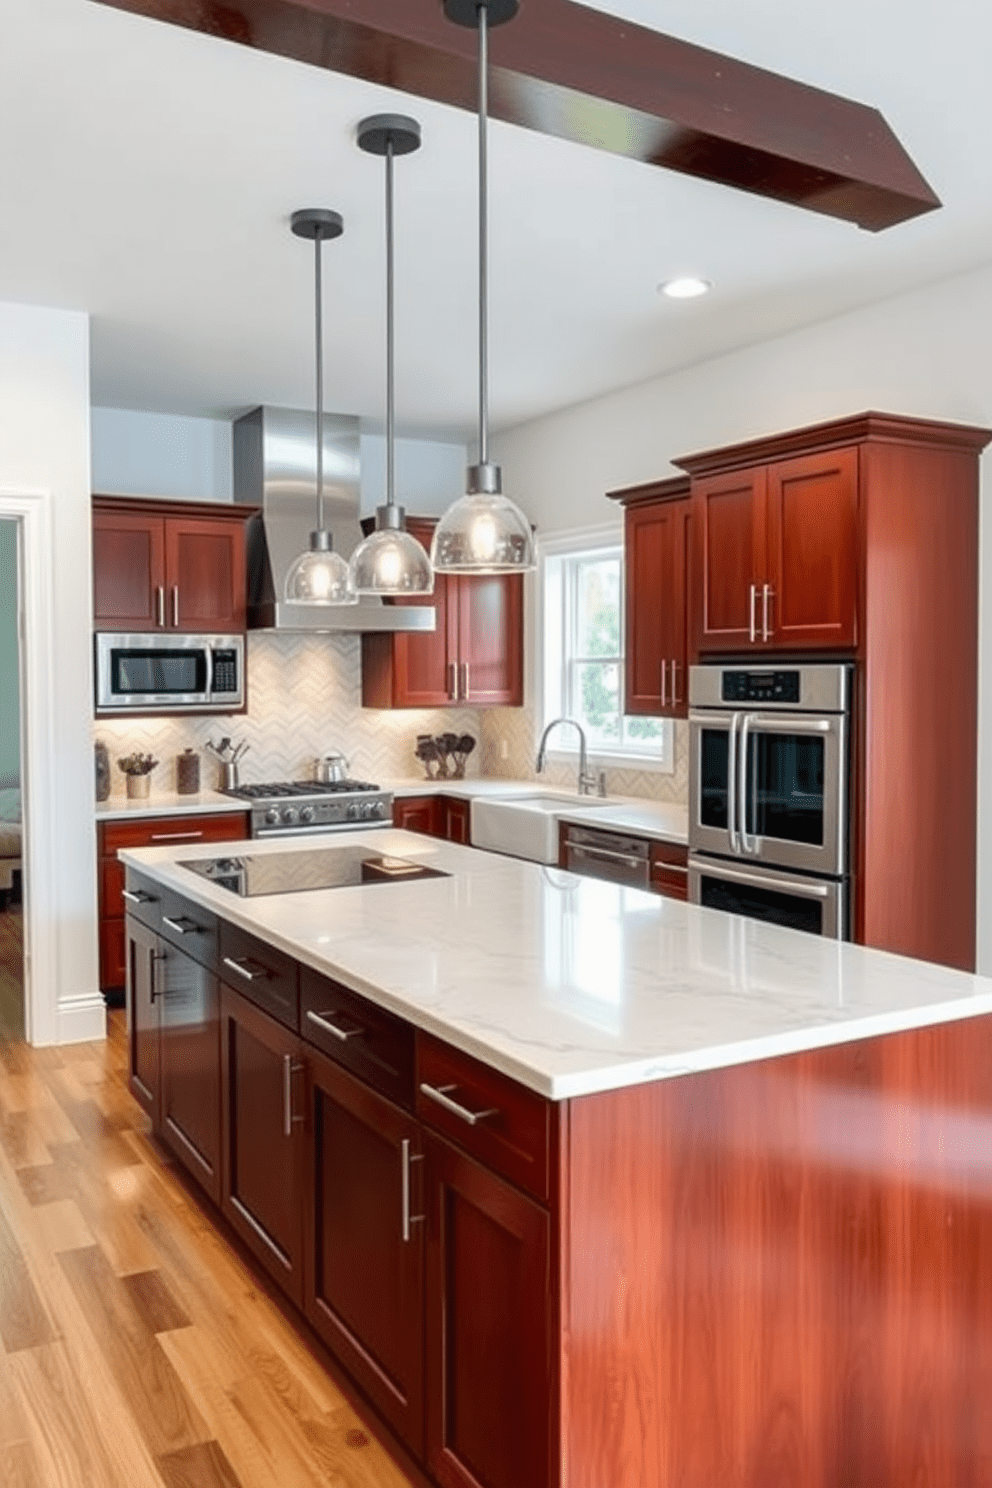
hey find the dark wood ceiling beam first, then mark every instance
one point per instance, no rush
(569, 71)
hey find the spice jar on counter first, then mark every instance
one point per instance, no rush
(188, 773)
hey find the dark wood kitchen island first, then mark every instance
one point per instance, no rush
(703, 1201)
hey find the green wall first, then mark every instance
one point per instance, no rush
(10, 729)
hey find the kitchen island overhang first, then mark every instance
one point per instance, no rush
(571, 985)
(765, 1250)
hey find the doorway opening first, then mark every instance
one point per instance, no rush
(12, 1017)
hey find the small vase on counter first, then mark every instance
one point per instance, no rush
(188, 773)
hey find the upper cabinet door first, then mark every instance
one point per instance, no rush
(128, 571)
(490, 640)
(729, 525)
(655, 607)
(205, 574)
(809, 596)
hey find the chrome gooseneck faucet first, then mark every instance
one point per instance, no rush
(586, 782)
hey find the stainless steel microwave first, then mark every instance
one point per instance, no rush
(154, 673)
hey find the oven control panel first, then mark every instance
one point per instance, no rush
(760, 687)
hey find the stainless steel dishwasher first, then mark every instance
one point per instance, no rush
(609, 855)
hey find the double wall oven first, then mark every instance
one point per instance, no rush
(769, 793)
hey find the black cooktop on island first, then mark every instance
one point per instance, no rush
(252, 876)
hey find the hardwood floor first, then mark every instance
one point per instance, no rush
(137, 1348)
(11, 972)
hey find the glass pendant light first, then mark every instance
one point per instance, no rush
(319, 576)
(484, 531)
(390, 560)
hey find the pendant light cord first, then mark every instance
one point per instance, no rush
(483, 23)
(390, 461)
(319, 340)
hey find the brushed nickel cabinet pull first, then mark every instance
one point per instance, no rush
(467, 686)
(160, 604)
(175, 604)
(138, 896)
(441, 1095)
(407, 1219)
(767, 595)
(175, 836)
(322, 1020)
(453, 681)
(754, 601)
(675, 697)
(664, 678)
(182, 926)
(252, 971)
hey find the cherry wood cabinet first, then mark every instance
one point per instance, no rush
(144, 1062)
(489, 1322)
(263, 1138)
(189, 1030)
(147, 831)
(365, 1239)
(474, 656)
(669, 870)
(657, 554)
(859, 539)
(160, 565)
(448, 817)
(776, 554)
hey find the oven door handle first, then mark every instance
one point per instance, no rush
(735, 841)
(801, 887)
(746, 722)
(774, 724)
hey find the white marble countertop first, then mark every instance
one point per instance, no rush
(571, 985)
(167, 803)
(658, 819)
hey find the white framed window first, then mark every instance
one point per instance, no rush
(582, 594)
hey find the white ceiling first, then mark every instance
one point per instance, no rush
(147, 176)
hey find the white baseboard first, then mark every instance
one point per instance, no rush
(82, 1018)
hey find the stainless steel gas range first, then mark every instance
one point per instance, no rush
(309, 806)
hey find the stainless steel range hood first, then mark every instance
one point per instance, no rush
(275, 468)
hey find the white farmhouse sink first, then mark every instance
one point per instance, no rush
(524, 826)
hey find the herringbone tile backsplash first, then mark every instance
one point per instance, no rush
(304, 700)
(516, 728)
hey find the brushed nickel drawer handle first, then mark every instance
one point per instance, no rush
(175, 836)
(160, 604)
(138, 896)
(175, 604)
(322, 1020)
(669, 868)
(441, 1096)
(290, 1067)
(244, 969)
(182, 926)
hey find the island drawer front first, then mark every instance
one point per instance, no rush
(190, 928)
(143, 899)
(365, 1039)
(511, 1132)
(267, 977)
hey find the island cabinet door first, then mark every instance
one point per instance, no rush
(190, 1054)
(263, 1145)
(490, 1383)
(141, 957)
(365, 1243)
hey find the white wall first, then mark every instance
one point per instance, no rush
(925, 353)
(429, 475)
(45, 447)
(159, 454)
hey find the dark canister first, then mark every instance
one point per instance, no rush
(188, 773)
(102, 770)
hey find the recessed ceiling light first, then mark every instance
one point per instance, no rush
(685, 289)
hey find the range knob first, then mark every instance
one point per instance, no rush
(289, 815)
(272, 815)
(378, 808)
(354, 811)
(306, 813)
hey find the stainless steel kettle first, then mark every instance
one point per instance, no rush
(331, 767)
